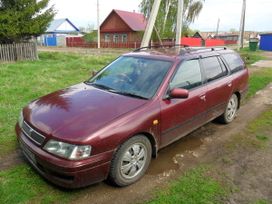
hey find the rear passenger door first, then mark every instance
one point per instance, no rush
(219, 85)
(181, 116)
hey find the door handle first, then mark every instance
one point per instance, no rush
(203, 97)
(229, 84)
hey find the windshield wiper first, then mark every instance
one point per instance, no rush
(101, 86)
(130, 94)
(104, 87)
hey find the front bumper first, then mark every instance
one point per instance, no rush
(62, 172)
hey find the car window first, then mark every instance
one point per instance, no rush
(213, 68)
(187, 76)
(234, 61)
(133, 75)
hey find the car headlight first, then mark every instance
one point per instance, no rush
(21, 119)
(68, 151)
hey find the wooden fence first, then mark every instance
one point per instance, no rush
(18, 51)
(79, 42)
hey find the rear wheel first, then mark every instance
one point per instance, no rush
(130, 161)
(230, 111)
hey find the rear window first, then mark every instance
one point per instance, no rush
(213, 68)
(234, 61)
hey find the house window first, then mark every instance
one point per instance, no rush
(115, 38)
(124, 38)
(107, 37)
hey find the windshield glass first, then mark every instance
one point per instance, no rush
(132, 76)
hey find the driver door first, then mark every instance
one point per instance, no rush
(181, 116)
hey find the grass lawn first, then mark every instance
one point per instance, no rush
(251, 57)
(22, 82)
(22, 185)
(258, 80)
(195, 186)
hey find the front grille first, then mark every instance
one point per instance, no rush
(32, 134)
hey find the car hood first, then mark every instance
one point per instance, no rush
(75, 113)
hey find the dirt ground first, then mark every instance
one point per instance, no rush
(250, 172)
(246, 166)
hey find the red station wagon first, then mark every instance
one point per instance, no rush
(110, 126)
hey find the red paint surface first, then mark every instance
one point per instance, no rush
(193, 42)
(214, 42)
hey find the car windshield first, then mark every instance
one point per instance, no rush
(132, 76)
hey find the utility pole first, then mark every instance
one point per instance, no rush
(98, 26)
(151, 23)
(242, 26)
(179, 21)
(217, 27)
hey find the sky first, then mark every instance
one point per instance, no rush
(258, 15)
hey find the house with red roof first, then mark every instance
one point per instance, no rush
(122, 27)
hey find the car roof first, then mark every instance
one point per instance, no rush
(175, 52)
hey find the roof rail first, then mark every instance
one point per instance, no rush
(161, 46)
(186, 48)
(203, 49)
(218, 48)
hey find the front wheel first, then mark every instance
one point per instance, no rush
(230, 111)
(130, 161)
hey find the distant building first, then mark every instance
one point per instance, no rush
(266, 42)
(247, 34)
(198, 35)
(122, 27)
(57, 32)
(228, 38)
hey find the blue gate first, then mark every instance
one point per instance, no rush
(50, 40)
(266, 42)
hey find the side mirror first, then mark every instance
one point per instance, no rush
(179, 93)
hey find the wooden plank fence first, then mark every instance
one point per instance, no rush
(18, 51)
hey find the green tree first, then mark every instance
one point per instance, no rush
(21, 19)
(167, 16)
(90, 37)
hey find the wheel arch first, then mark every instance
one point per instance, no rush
(153, 142)
(149, 136)
(238, 94)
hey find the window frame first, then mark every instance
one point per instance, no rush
(168, 89)
(114, 37)
(107, 37)
(124, 36)
(227, 64)
(221, 63)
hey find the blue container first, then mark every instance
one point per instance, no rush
(266, 42)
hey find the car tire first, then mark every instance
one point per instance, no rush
(131, 161)
(230, 111)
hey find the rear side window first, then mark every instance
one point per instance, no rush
(234, 61)
(213, 68)
(188, 75)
